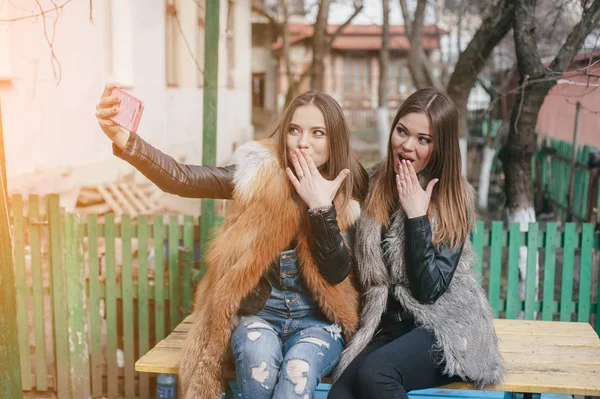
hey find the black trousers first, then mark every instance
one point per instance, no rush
(398, 360)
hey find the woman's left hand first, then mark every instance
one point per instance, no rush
(413, 198)
(313, 188)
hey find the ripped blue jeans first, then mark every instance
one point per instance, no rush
(284, 350)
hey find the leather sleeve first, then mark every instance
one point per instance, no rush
(430, 269)
(193, 181)
(330, 248)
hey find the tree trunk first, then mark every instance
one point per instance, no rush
(485, 172)
(383, 112)
(416, 60)
(285, 49)
(320, 47)
(536, 83)
(472, 60)
(516, 154)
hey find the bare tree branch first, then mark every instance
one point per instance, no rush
(418, 62)
(357, 9)
(272, 19)
(41, 13)
(56, 67)
(589, 20)
(406, 18)
(472, 60)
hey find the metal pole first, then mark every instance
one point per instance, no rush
(10, 362)
(209, 129)
(573, 165)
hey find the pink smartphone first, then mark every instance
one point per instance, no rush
(130, 110)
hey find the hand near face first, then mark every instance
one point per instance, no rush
(313, 188)
(413, 198)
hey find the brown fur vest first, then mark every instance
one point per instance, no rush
(264, 218)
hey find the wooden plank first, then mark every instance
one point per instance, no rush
(186, 281)
(144, 199)
(159, 278)
(159, 360)
(185, 268)
(538, 327)
(512, 296)
(478, 235)
(122, 199)
(566, 290)
(38, 296)
(502, 326)
(128, 315)
(59, 298)
(174, 340)
(549, 271)
(526, 339)
(96, 358)
(78, 339)
(143, 303)
(111, 305)
(559, 368)
(174, 286)
(534, 383)
(585, 273)
(495, 266)
(22, 294)
(125, 188)
(116, 208)
(10, 368)
(531, 274)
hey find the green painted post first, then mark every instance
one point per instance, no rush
(59, 298)
(77, 310)
(10, 366)
(209, 128)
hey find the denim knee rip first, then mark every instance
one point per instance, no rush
(296, 373)
(254, 335)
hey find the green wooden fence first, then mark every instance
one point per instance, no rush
(88, 286)
(553, 163)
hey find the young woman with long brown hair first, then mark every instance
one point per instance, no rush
(277, 297)
(425, 321)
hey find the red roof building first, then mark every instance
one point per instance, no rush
(580, 83)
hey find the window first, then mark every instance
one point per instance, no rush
(401, 78)
(367, 74)
(184, 43)
(347, 72)
(357, 79)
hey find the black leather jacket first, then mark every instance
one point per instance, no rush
(429, 268)
(194, 181)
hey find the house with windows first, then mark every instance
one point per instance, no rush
(351, 67)
(52, 73)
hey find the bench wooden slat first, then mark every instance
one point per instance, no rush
(540, 357)
(552, 340)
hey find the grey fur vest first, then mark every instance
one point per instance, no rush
(461, 319)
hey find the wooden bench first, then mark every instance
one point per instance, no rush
(540, 357)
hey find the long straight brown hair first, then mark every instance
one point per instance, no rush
(337, 134)
(451, 201)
